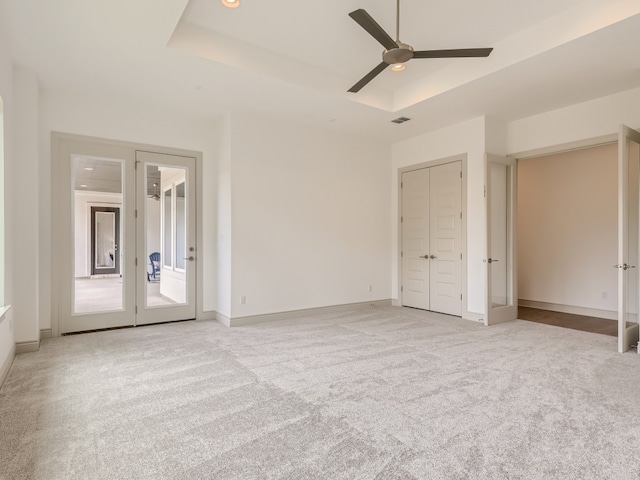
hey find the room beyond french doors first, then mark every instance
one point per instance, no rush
(151, 240)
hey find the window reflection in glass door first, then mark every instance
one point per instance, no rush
(166, 233)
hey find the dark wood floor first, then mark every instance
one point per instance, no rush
(569, 320)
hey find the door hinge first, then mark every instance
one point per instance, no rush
(401, 254)
(460, 297)
(136, 309)
(460, 256)
(136, 262)
(460, 215)
(461, 174)
(136, 213)
(401, 219)
(401, 184)
(485, 190)
(402, 289)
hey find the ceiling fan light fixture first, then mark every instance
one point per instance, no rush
(231, 3)
(398, 67)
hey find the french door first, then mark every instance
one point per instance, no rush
(500, 266)
(154, 197)
(628, 237)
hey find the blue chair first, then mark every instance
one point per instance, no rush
(154, 261)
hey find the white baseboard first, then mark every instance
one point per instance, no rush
(474, 317)
(45, 333)
(555, 307)
(223, 319)
(274, 317)
(6, 365)
(27, 347)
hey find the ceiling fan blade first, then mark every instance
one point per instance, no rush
(368, 77)
(459, 52)
(367, 22)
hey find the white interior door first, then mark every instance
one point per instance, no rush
(166, 240)
(500, 200)
(415, 239)
(432, 238)
(90, 173)
(628, 233)
(445, 262)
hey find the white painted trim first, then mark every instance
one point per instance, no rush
(45, 333)
(27, 347)
(223, 319)
(555, 307)
(473, 317)
(462, 158)
(565, 147)
(6, 366)
(273, 317)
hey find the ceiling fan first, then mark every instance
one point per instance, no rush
(397, 53)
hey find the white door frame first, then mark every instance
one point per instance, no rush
(60, 195)
(462, 158)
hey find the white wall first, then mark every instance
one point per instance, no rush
(130, 120)
(222, 294)
(25, 227)
(583, 121)
(6, 158)
(567, 228)
(310, 218)
(465, 138)
(82, 222)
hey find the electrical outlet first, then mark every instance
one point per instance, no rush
(243, 300)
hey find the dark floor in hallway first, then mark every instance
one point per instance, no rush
(569, 320)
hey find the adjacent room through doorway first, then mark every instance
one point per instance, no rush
(567, 238)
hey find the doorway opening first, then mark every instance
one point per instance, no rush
(567, 236)
(125, 234)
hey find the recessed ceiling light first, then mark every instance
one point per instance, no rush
(88, 169)
(83, 186)
(398, 67)
(231, 3)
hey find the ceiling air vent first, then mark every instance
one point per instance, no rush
(400, 120)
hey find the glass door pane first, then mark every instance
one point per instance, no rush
(501, 297)
(628, 237)
(97, 200)
(168, 226)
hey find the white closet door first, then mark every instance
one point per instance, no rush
(415, 239)
(445, 239)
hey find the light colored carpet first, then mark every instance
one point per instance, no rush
(377, 393)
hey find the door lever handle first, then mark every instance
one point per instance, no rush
(432, 257)
(492, 260)
(191, 258)
(424, 256)
(624, 266)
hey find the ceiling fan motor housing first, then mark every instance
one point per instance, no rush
(401, 54)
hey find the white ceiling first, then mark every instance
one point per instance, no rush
(297, 59)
